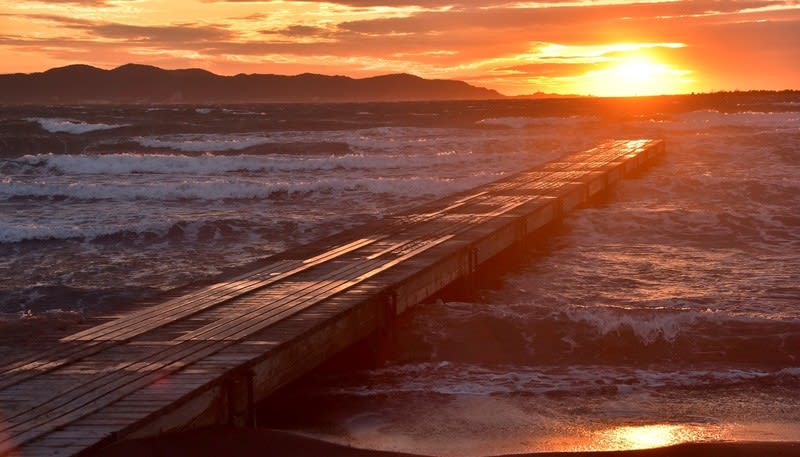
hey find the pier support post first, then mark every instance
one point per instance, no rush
(385, 336)
(522, 236)
(390, 308)
(471, 279)
(240, 399)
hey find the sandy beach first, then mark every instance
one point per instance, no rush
(218, 441)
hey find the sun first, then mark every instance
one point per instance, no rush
(636, 76)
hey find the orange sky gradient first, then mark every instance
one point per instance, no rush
(597, 47)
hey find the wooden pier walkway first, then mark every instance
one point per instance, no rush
(205, 356)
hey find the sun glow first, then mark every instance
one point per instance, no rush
(635, 76)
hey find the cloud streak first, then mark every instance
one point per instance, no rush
(515, 47)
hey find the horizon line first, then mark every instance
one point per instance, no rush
(539, 94)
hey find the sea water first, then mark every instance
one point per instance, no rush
(668, 311)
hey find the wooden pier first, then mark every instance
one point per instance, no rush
(206, 355)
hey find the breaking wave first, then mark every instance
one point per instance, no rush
(122, 164)
(58, 125)
(211, 188)
(527, 333)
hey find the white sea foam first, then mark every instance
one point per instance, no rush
(55, 125)
(648, 325)
(211, 188)
(240, 112)
(671, 323)
(211, 164)
(203, 143)
(700, 120)
(382, 140)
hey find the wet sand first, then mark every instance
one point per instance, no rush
(217, 441)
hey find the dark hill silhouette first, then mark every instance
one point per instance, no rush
(134, 83)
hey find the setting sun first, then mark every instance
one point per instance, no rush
(637, 76)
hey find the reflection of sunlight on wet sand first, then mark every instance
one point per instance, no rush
(650, 436)
(369, 431)
(631, 437)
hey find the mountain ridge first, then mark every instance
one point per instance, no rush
(136, 83)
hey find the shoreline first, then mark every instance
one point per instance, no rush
(242, 442)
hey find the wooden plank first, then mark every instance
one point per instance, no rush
(49, 360)
(73, 405)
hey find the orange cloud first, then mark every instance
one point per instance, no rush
(515, 47)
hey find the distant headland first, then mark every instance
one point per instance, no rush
(134, 83)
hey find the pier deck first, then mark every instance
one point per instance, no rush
(204, 356)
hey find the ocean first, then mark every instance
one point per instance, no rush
(667, 311)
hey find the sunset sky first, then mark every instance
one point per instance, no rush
(599, 47)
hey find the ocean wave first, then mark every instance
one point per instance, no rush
(212, 164)
(648, 325)
(237, 188)
(15, 233)
(374, 139)
(523, 333)
(789, 104)
(396, 140)
(150, 231)
(59, 125)
(463, 379)
(712, 119)
(204, 143)
(526, 122)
